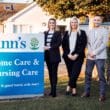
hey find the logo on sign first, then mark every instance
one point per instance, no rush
(34, 44)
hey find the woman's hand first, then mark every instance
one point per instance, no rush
(72, 57)
(46, 47)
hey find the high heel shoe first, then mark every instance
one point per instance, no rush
(74, 92)
(68, 89)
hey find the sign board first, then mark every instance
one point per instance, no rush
(21, 65)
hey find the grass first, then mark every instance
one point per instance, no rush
(61, 102)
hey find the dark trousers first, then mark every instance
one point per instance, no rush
(73, 68)
(52, 69)
(100, 64)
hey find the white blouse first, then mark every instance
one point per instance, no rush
(72, 41)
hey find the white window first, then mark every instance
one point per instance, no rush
(22, 28)
(15, 28)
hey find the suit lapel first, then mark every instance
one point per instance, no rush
(98, 42)
(95, 41)
(54, 34)
(46, 34)
(96, 37)
(78, 38)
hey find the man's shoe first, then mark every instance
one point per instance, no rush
(102, 98)
(85, 95)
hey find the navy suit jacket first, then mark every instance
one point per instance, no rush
(53, 52)
(80, 44)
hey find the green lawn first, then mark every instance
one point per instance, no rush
(61, 102)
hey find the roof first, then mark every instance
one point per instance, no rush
(9, 9)
(21, 12)
(37, 9)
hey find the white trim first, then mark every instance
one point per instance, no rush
(21, 96)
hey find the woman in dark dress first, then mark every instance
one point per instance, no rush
(73, 44)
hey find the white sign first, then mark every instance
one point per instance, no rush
(22, 42)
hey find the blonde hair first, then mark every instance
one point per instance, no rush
(52, 19)
(76, 19)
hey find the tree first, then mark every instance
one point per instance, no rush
(80, 8)
(68, 8)
(108, 64)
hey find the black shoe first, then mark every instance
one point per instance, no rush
(85, 95)
(54, 95)
(50, 94)
(67, 93)
(74, 94)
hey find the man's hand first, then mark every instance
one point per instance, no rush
(91, 55)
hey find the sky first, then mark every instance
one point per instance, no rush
(16, 1)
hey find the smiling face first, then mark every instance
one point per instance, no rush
(74, 24)
(97, 21)
(52, 24)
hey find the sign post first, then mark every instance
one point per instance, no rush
(21, 65)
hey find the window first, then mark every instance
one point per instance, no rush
(22, 28)
(15, 28)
